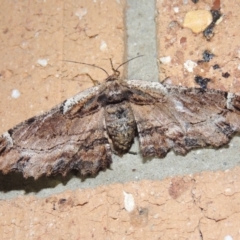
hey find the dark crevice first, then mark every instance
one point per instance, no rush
(200, 233)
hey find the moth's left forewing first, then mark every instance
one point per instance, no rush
(69, 136)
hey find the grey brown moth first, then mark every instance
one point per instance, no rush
(82, 132)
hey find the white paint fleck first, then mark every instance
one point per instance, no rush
(176, 9)
(50, 224)
(189, 65)
(103, 46)
(36, 34)
(81, 12)
(238, 67)
(165, 60)
(228, 190)
(24, 44)
(128, 201)
(228, 237)
(43, 62)
(15, 93)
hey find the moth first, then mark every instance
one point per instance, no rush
(82, 132)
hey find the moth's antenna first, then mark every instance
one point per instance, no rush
(114, 70)
(128, 61)
(112, 65)
(92, 65)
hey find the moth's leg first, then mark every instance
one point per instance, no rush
(95, 82)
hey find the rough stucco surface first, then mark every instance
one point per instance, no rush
(181, 44)
(53, 31)
(200, 206)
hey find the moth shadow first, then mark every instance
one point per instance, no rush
(16, 182)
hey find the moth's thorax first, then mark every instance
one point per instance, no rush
(121, 126)
(119, 119)
(115, 91)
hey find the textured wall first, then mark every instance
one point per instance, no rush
(35, 37)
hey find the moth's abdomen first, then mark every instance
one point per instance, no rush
(121, 126)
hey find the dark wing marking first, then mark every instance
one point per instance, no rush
(70, 136)
(181, 118)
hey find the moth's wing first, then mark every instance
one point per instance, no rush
(181, 118)
(70, 136)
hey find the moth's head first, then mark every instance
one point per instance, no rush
(116, 73)
(114, 76)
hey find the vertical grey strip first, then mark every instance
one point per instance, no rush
(141, 39)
